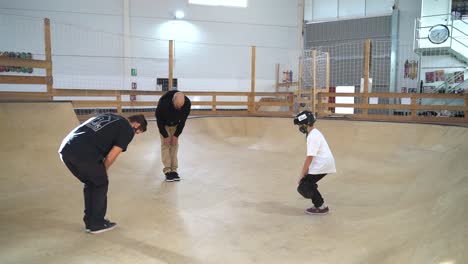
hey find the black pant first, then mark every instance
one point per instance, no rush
(94, 176)
(309, 189)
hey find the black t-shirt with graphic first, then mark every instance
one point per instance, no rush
(94, 139)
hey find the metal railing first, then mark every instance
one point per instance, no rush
(458, 36)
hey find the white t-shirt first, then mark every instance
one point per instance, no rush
(317, 146)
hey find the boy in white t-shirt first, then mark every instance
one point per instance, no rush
(318, 163)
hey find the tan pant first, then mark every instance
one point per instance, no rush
(169, 152)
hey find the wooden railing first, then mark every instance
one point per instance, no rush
(114, 100)
(412, 109)
(252, 106)
(43, 64)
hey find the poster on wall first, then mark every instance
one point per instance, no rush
(133, 96)
(449, 77)
(459, 77)
(439, 75)
(429, 77)
(460, 9)
(411, 69)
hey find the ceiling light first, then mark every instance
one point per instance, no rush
(179, 14)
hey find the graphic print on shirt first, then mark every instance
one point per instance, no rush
(101, 121)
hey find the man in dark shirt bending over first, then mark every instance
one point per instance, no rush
(171, 114)
(89, 150)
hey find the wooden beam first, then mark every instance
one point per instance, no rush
(288, 84)
(213, 103)
(232, 103)
(273, 103)
(272, 114)
(140, 92)
(171, 64)
(24, 96)
(119, 104)
(252, 79)
(113, 92)
(94, 103)
(14, 62)
(319, 103)
(314, 80)
(203, 93)
(414, 101)
(139, 103)
(398, 106)
(327, 72)
(84, 92)
(417, 119)
(466, 108)
(202, 103)
(365, 97)
(291, 103)
(48, 56)
(16, 79)
(398, 95)
(299, 78)
(277, 73)
(219, 113)
(273, 94)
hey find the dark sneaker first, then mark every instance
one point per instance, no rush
(169, 177)
(175, 175)
(317, 211)
(106, 226)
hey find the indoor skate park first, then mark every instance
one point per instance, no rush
(388, 88)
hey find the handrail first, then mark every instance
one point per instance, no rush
(445, 84)
(442, 15)
(453, 27)
(459, 41)
(456, 87)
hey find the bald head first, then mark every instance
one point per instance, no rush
(178, 100)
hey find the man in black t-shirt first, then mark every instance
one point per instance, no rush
(89, 150)
(171, 114)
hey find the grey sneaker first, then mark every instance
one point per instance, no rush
(106, 226)
(317, 211)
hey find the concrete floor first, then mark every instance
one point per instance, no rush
(400, 194)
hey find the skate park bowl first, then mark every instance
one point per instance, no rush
(399, 195)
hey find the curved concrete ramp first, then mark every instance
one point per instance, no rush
(399, 195)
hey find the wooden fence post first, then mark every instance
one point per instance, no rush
(314, 80)
(365, 97)
(252, 81)
(466, 108)
(119, 103)
(213, 103)
(48, 58)
(414, 101)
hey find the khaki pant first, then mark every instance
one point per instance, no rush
(169, 152)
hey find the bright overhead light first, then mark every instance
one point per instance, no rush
(179, 14)
(232, 3)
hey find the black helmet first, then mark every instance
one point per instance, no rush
(304, 118)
